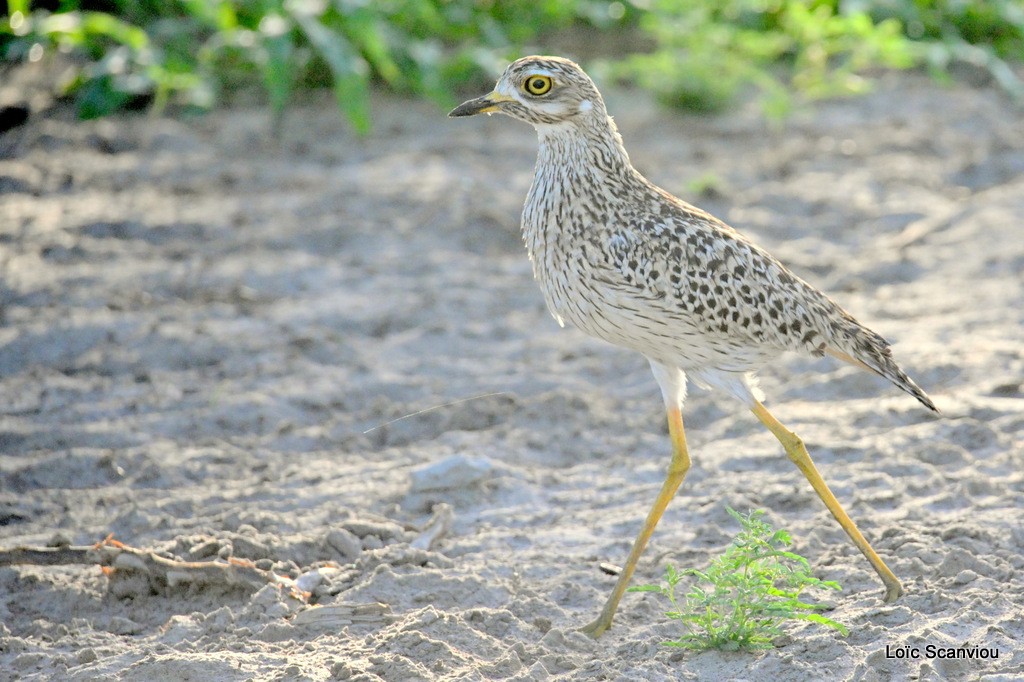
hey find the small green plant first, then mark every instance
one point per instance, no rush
(747, 595)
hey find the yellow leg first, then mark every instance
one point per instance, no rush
(676, 472)
(798, 454)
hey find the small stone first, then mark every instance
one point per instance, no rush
(277, 610)
(381, 529)
(457, 471)
(344, 543)
(372, 542)
(220, 619)
(266, 595)
(204, 550)
(247, 548)
(129, 584)
(59, 539)
(120, 625)
(965, 576)
(310, 580)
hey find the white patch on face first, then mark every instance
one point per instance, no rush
(585, 106)
(505, 88)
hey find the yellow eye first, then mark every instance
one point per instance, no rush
(537, 85)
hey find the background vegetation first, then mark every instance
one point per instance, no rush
(695, 54)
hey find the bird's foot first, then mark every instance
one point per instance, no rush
(597, 627)
(893, 591)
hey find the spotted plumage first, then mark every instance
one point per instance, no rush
(627, 262)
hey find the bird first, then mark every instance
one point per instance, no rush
(627, 262)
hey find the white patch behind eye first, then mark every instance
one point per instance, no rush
(585, 106)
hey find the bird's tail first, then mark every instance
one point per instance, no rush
(864, 348)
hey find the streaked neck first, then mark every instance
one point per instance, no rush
(584, 143)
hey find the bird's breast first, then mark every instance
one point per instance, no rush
(572, 247)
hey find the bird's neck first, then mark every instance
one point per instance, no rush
(584, 146)
(582, 172)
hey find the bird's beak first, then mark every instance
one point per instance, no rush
(481, 105)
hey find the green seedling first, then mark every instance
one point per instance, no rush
(747, 594)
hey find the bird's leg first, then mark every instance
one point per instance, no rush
(798, 454)
(676, 472)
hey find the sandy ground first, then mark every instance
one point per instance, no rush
(201, 322)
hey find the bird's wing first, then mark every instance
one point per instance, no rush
(690, 266)
(690, 269)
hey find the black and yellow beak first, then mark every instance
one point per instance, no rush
(487, 104)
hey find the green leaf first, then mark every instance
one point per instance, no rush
(348, 69)
(217, 14)
(98, 97)
(367, 31)
(277, 68)
(122, 32)
(823, 620)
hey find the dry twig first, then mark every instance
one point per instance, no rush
(113, 556)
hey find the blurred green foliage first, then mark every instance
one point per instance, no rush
(988, 34)
(697, 54)
(707, 51)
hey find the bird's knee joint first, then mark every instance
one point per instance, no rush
(679, 466)
(678, 469)
(794, 445)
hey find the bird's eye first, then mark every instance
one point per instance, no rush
(537, 85)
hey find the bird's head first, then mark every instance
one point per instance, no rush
(539, 90)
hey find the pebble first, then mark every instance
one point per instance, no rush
(457, 471)
(120, 625)
(345, 543)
